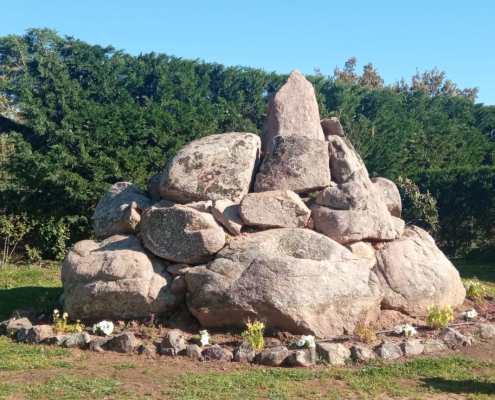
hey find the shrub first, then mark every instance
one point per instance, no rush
(364, 331)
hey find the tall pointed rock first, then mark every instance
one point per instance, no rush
(292, 111)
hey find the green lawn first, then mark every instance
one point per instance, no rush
(23, 287)
(71, 376)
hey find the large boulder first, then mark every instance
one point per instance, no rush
(212, 168)
(414, 274)
(390, 194)
(353, 211)
(344, 159)
(274, 209)
(294, 280)
(181, 234)
(294, 163)
(119, 210)
(115, 279)
(292, 111)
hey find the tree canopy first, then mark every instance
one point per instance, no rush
(81, 117)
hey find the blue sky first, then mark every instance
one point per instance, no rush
(398, 37)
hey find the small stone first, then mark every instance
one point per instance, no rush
(433, 346)
(362, 354)
(147, 350)
(99, 345)
(167, 351)
(334, 353)
(174, 340)
(273, 356)
(39, 333)
(453, 338)
(216, 352)
(486, 331)
(244, 353)
(302, 358)
(80, 340)
(179, 285)
(15, 324)
(388, 351)
(123, 343)
(56, 340)
(412, 347)
(193, 351)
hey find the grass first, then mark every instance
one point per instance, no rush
(484, 271)
(413, 378)
(22, 287)
(69, 376)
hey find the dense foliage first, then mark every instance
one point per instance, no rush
(81, 117)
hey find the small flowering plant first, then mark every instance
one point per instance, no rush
(407, 330)
(61, 324)
(307, 341)
(469, 315)
(204, 338)
(103, 328)
(475, 289)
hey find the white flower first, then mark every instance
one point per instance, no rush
(409, 330)
(308, 340)
(205, 338)
(105, 327)
(406, 329)
(471, 314)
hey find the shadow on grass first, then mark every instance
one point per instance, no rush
(469, 269)
(465, 386)
(28, 297)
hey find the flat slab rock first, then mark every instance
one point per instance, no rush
(181, 234)
(227, 213)
(119, 210)
(274, 209)
(294, 163)
(414, 274)
(115, 279)
(292, 111)
(214, 167)
(294, 280)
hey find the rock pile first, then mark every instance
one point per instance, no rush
(289, 239)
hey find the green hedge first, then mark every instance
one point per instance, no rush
(466, 206)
